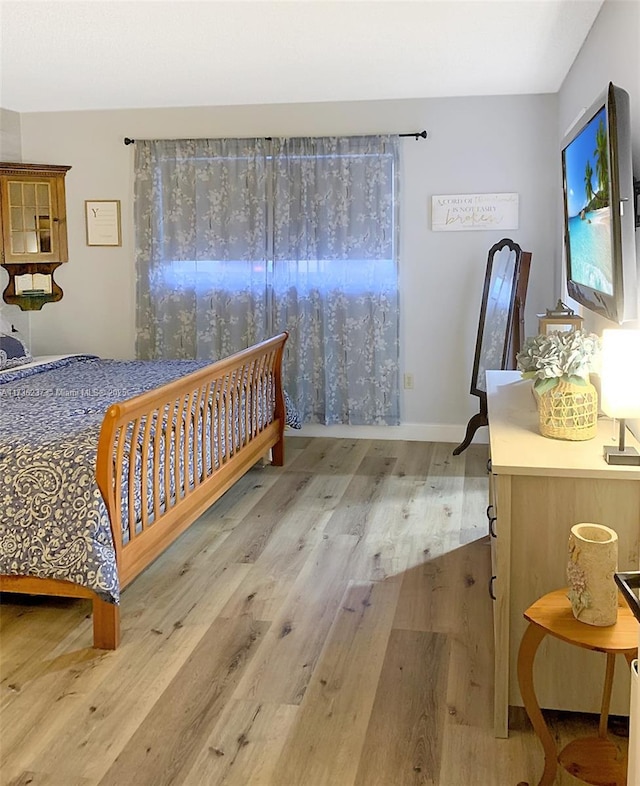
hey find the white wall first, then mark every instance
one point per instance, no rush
(509, 143)
(11, 150)
(611, 53)
(475, 145)
(10, 140)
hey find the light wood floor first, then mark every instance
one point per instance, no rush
(324, 624)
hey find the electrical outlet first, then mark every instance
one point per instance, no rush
(408, 381)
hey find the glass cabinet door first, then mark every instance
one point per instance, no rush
(30, 216)
(33, 214)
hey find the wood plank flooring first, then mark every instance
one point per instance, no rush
(326, 623)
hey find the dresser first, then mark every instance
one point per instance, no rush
(540, 488)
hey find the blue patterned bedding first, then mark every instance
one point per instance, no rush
(50, 418)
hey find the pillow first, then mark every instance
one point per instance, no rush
(13, 350)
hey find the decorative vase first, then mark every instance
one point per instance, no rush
(569, 411)
(593, 559)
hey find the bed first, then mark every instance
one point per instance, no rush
(103, 464)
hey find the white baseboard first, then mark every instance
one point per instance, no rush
(418, 432)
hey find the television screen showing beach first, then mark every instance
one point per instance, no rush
(586, 171)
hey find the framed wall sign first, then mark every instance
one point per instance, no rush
(102, 218)
(473, 212)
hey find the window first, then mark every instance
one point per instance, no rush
(239, 239)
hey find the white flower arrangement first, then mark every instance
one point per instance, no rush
(568, 356)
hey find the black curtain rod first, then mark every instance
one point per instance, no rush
(417, 135)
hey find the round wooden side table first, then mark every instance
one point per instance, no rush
(593, 760)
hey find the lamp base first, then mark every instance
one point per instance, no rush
(627, 456)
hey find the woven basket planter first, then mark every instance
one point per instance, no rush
(569, 411)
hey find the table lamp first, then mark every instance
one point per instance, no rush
(620, 387)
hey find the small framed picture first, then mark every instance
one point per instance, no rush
(102, 218)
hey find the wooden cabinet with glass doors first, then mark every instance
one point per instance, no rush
(34, 232)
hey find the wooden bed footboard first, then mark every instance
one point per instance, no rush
(106, 616)
(168, 454)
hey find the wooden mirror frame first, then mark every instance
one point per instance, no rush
(510, 343)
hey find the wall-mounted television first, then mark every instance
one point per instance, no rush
(599, 220)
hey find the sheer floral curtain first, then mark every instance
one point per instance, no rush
(335, 275)
(238, 239)
(201, 246)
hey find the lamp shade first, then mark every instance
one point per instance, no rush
(620, 373)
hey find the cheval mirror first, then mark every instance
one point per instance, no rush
(501, 324)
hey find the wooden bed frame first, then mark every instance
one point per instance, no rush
(181, 419)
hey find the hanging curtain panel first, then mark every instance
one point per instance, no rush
(238, 239)
(335, 275)
(201, 246)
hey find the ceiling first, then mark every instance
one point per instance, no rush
(118, 54)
